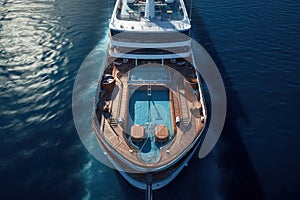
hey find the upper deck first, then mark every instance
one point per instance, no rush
(150, 15)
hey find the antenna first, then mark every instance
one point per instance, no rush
(149, 191)
(109, 10)
(191, 8)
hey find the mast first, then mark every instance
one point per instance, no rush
(149, 9)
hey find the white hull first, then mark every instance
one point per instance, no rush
(162, 183)
(155, 185)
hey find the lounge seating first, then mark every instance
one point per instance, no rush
(161, 133)
(137, 133)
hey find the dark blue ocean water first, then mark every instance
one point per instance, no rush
(255, 44)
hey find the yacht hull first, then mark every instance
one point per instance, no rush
(176, 168)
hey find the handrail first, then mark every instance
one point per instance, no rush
(201, 97)
(201, 94)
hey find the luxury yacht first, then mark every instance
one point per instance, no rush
(149, 111)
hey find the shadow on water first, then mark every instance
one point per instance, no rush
(238, 178)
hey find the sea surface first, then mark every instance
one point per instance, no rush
(256, 46)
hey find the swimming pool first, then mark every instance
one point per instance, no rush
(149, 111)
(154, 109)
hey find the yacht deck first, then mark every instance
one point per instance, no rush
(131, 16)
(163, 12)
(184, 105)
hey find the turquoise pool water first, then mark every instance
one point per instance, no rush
(150, 111)
(154, 109)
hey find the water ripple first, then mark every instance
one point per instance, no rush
(42, 44)
(33, 56)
